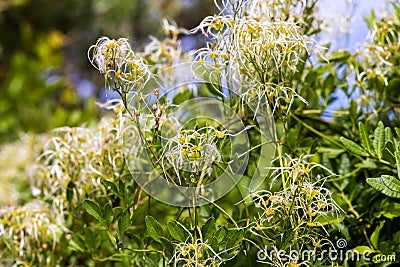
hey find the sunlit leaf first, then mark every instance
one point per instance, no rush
(375, 235)
(365, 139)
(353, 147)
(379, 140)
(339, 55)
(93, 209)
(387, 184)
(397, 156)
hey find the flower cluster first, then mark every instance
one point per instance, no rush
(166, 53)
(14, 159)
(122, 69)
(193, 150)
(304, 204)
(73, 153)
(198, 253)
(376, 65)
(385, 42)
(32, 233)
(253, 53)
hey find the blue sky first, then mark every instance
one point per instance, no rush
(358, 31)
(358, 28)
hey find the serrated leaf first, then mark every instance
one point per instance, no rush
(208, 228)
(93, 209)
(124, 222)
(364, 137)
(387, 184)
(108, 215)
(177, 231)
(154, 228)
(379, 140)
(353, 147)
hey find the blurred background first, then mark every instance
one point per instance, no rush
(45, 78)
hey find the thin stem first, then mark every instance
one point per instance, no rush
(279, 148)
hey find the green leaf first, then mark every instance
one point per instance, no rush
(339, 55)
(108, 215)
(177, 231)
(344, 165)
(388, 152)
(93, 209)
(70, 191)
(353, 147)
(90, 239)
(392, 210)
(388, 135)
(154, 228)
(233, 239)
(124, 222)
(366, 164)
(208, 228)
(365, 140)
(397, 156)
(387, 184)
(362, 249)
(122, 189)
(397, 131)
(182, 96)
(331, 153)
(112, 186)
(353, 110)
(75, 244)
(379, 140)
(330, 218)
(314, 146)
(375, 235)
(220, 234)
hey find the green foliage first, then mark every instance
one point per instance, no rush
(386, 184)
(36, 97)
(331, 179)
(384, 149)
(93, 209)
